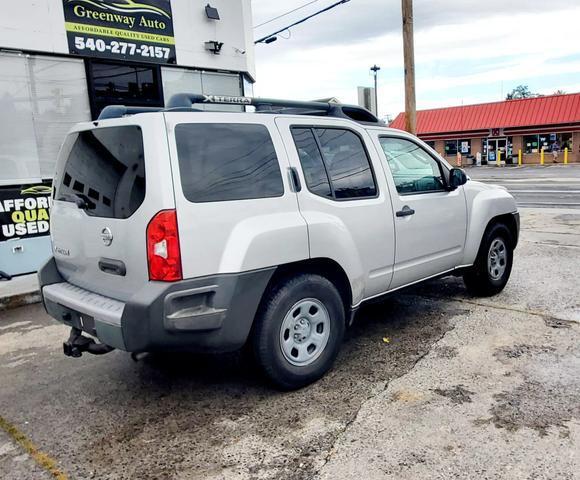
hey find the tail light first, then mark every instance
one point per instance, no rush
(163, 252)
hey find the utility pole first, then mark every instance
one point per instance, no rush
(409, 56)
(375, 68)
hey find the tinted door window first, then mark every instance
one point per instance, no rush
(311, 161)
(413, 169)
(225, 161)
(347, 163)
(106, 168)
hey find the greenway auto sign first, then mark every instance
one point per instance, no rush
(122, 29)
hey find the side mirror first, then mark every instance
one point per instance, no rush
(457, 178)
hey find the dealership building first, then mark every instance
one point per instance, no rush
(63, 61)
(504, 129)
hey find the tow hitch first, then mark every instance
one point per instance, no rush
(77, 344)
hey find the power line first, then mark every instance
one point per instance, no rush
(271, 37)
(287, 13)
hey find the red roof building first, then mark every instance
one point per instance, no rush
(502, 129)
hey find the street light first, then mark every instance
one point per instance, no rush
(375, 68)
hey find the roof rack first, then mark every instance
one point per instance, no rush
(118, 111)
(186, 101)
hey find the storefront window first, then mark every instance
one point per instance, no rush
(462, 146)
(450, 147)
(565, 141)
(221, 84)
(180, 80)
(40, 99)
(549, 141)
(249, 88)
(531, 144)
(124, 84)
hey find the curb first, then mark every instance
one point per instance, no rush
(15, 301)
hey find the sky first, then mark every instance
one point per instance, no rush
(466, 51)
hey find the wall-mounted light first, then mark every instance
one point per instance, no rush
(214, 47)
(212, 12)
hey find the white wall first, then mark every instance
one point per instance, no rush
(39, 25)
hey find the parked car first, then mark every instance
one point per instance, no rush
(181, 229)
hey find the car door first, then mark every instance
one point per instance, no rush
(430, 219)
(345, 203)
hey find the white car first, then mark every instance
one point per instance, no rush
(183, 229)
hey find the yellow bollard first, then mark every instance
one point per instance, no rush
(498, 158)
(542, 156)
(566, 156)
(520, 157)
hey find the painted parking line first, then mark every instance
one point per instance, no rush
(571, 192)
(42, 459)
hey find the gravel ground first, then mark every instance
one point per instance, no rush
(461, 388)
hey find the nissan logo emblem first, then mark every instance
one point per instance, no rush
(107, 236)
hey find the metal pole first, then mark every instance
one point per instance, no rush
(409, 57)
(376, 98)
(375, 68)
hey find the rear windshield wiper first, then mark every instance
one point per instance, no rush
(81, 201)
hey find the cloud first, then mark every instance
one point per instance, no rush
(361, 20)
(462, 49)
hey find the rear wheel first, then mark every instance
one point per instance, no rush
(493, 265)
(299, 330)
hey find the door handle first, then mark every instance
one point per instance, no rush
(405, 211)
(114, 267)
(295, 179)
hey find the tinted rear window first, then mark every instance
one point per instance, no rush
(106, 168)
(227, 161)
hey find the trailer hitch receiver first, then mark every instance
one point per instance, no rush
(77, 343)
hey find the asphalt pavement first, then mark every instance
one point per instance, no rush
(431, 383)
(535, 185)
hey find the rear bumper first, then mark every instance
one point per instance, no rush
(213, 313)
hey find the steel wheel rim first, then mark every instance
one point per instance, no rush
(304, 332)
(497, 259)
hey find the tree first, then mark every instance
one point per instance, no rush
(521, 91)
(559, 92)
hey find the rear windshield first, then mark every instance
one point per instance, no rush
(227, 161)
(105, 168)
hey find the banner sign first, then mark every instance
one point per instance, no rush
(24, 211)
(139, 30)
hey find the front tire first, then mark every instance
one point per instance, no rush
(299, 330)
(493, 265)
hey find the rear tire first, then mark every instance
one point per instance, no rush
(298, 330)
(493, 265)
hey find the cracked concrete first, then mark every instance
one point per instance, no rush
(466, 388)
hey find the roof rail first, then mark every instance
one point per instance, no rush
(272, 105)
(186, 101)
(118, 111)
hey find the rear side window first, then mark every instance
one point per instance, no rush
(227, 161)
(335, 163)
(311, 161)
(106, 168)
(347, 163)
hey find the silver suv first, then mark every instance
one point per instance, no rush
(190, 229)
